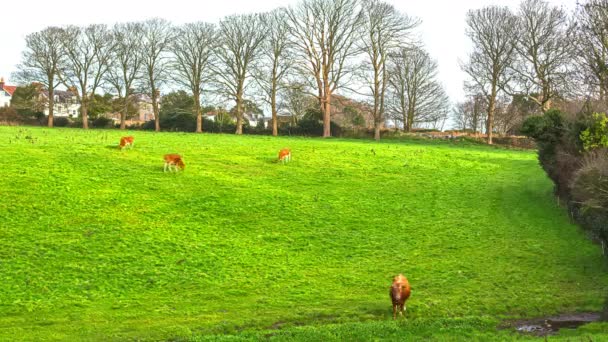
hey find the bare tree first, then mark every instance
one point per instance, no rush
(296, 101)
(276, 62)
(461, 116)
(240, 39)
(492, 31)
(469, 115)
(592, 46)
(126, 63)
(156, 42)
(41, 62)
(192, 48)
(324, 32)
(418, 97)
(384, 29)
(88, 52)
(545, 49)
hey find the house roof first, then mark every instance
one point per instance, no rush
(10, 89)
(62, 95)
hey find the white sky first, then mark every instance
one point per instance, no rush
(442, 30)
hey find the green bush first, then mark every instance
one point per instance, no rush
(61, 121)
(546, 129)
(581, 178)
(596, 135)
(102, 122)
(533, 126)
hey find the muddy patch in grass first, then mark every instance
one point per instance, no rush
(551, 325)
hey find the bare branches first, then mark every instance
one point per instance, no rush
(192, 52)
(127, 61)
(592, 46)
(417, 97)
(88, 52)
(383, 31)
(276, 61)
(157, 36)
(492, 30)
(545, 52)
(239, 50)
(42, 61)
(324, 32)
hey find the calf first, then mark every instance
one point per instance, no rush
(399, 292)
(126, 141)
(174, 161)
(285, 155)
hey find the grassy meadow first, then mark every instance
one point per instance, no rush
(101, 244)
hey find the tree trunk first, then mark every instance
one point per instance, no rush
(377, 114)
(239, 114)
(123, 115)
(51, 104)
(547, 105)
(199, 114)
(327, 114)
(410, 118)
(155, 110)
(490, 123)
(83, 112)
(376, 131)
(275, 125)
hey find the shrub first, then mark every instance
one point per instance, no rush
(182, 122)
(533, 126)
(102, 122)
(596, 134)
(149, 125)
(547, 129)
(590, 182)
(61, 121)
(8, 114)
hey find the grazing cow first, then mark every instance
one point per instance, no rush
(174, 161)
(285, 155)
(126, 141)
(399, 292)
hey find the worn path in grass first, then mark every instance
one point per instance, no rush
(98, 243)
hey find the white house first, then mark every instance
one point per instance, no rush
(6, 93)
(66, 103)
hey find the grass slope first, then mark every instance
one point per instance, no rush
(100, 244)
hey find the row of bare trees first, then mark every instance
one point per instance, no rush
(540, 52)
(316, 46)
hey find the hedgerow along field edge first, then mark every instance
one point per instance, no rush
(99, 243)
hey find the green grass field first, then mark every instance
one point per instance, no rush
(100, 244)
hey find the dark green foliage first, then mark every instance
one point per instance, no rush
(547, 129)
(61, 121)
(177, 102)
(533, 126)
(249, 107)
(26, 102)
(580, 178)
(102, 122)
(179, 121)
(100, 105)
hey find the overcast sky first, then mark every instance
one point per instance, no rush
(442, 30)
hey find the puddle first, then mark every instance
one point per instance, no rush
(551, 325)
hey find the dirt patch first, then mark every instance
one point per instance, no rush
(551, 325)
